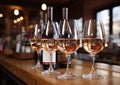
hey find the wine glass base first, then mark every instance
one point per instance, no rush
(67, 76)
(90, 75)
(36, 67)
(50, 72)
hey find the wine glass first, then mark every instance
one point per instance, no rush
(68, 43)
(36, 44)
(93, 42)
(50, 35)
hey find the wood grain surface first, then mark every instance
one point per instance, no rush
(22, 69)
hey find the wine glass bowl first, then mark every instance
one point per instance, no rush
(93, 45)
(50, 44)
(68, 46)
(36, 44)
(93, 42)
(68, 43)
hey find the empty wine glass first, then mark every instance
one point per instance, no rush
(93, 42)
(68, 43)
(36, 44)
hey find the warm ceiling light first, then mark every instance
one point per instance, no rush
(18, 20)
(1, 15)
(16, 12)
(43, 6)
(15, 21)
(21, 18)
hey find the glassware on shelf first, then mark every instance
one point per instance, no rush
(68, 43)
(93, 42)
(36, 44)
(49, 40)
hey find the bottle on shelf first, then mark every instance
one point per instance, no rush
(18, 44)
(8, 46)
(23, 33)
(23, 44)
(28, 48)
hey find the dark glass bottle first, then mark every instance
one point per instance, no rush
(46, 55)
(36, 56)
(62, 60)
(27, 46)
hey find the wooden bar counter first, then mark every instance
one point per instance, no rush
(21, 69)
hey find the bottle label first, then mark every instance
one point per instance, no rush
(28, 49)
(23, 49)
(46, 57)
(18, 46)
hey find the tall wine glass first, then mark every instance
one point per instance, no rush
(68, 43)
(50, 45)
(93, 42)
(36, 44)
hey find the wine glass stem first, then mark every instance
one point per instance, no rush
(38, 58)
(50, 67)
(67, 68)
(93, 65)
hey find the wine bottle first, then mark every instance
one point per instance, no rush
(46, 55)
(18, 44)
(23, 40)
(35, 56)
(8, 46)
(27, 46)
(62, 60)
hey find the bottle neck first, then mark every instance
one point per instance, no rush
(41, 16)
(65, 13)
(45, 18)
(50, 13)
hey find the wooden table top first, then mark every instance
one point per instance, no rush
(21, 68)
